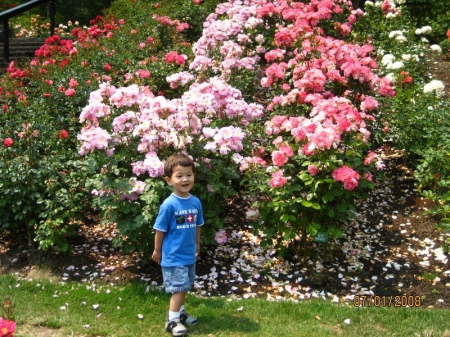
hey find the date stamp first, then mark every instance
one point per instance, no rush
(387, 301)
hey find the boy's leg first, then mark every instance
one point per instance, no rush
(177, 309)
(176, 279)
(177, 300)
(184, 316)
(174, 324)
(172, 277)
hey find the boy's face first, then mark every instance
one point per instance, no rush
(182, 180)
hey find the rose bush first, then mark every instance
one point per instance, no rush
(311, 159)
(419, 115)
(326, 96)
(325, 74)
(43, 177)
(130, 132)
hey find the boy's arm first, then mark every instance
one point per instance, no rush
(156, 256)
(199, 231)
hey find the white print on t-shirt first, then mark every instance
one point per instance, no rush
(186, 226)
(186, 211)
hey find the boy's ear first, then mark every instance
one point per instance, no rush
(167, 179)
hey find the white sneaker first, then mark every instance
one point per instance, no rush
(187, 319)
(176, 328)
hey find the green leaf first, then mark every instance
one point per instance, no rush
(336, 232)
(285, 218)
(328, 197)
(306, 203)
(315, 205)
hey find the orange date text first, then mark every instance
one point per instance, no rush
(387, 301)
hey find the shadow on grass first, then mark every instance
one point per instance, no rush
(212, 324)
(215, 315)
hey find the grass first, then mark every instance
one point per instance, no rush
(38, 304)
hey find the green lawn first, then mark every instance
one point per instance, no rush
(69, 309)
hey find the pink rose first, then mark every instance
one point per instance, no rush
(171, 57)
(370, 157)
(278, 180)
(180, 59)
(70, 92)
(7, 327)
(279, 158)
(346, 175)
(312, 170)
(8, 142)
(221, 237)
(73, 83)
(286, 150)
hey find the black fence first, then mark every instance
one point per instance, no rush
(9, 13)
(358, 3)
(22, 8)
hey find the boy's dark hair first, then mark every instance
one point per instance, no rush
(174, 160)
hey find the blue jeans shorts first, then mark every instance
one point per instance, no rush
(178, 279)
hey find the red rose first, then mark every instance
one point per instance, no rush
(8, 142)
(70, 92)
(63, 134)
(171, 57)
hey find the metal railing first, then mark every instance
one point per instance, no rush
(9, 13)
(358, 3)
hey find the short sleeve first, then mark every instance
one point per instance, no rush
(163, 219)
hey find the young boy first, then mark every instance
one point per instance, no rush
(177, 239)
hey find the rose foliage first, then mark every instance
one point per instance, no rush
(45, 184)
(278, 101)
(304, 166)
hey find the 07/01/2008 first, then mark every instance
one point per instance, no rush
(387, 301)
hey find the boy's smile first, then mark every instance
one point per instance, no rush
(182, 180)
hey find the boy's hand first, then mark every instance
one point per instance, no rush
(156, 256)
(197, 253)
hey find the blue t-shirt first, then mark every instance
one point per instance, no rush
(178, 218)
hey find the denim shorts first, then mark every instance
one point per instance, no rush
(178, 279)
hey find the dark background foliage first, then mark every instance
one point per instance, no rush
(75, 10)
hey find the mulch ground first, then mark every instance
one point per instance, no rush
(392, 248)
